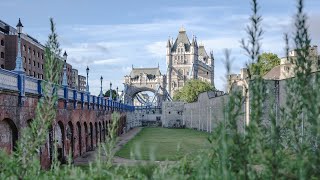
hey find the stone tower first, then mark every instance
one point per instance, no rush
(186, 61)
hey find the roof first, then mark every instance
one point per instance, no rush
(182, 38)
(274, 73)
(149, 71)
(202, 52)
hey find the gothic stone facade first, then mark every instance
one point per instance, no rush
(186, 61)
(144, 79)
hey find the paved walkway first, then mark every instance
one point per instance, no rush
(122, 140)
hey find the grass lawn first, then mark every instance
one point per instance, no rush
(163, 144)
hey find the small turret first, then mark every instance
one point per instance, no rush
(168, 43)
(168, 46)
(194, 45)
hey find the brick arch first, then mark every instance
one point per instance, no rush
(9, 135)
(59, 136)
(100, 132)
(91, 135)
(104, 130)
(70, 138)
(85, 135)
(79, 138)
(96, 130)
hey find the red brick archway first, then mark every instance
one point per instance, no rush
(86, 135)
(8, 135)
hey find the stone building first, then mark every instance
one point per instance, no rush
(144, 79)
(32, 53)
(75, 79)
(286, 68)
(186, 61)
(82, 83)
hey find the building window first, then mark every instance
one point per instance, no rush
(29, 61)
(2, 66)
(34, 63)
(29, 50)
(41, 56)
(2, 42)
(38, 54)
(41, 66)
(29, 73)
(38, 65)
(2, 55)
(34, 52)
(25, 59)
(24, 47)
(34, 74)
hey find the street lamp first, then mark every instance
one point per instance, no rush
(117, 94)
(110, 91)
(101, 93)
(19, 65)
(121, 95)
(87, 87)
(64, 80)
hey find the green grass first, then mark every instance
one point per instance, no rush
(163, 144)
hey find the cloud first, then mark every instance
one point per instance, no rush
(111, 49)
(108, 61)
(157, 49)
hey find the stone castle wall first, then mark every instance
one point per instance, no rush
(208, 110)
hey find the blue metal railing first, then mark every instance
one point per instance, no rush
(12, 81)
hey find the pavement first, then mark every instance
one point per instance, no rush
(90, 156)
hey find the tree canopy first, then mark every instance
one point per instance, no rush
(191, 90)
(114, 94)
(266, 61)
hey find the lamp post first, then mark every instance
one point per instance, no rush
(117, 95)
(101, 93)
(110, 91)
(87, 87)
(19, 65)
(64, 80)
(121, 96)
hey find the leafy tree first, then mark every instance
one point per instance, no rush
(114, 94)
(191, 90)
(266, 61)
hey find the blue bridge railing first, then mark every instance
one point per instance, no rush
(15, 82)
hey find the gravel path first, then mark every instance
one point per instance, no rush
(122, 140)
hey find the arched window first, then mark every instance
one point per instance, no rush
(2, 55)
(2, 42)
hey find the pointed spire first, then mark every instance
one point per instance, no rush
(182, 30)
(193, 41)
(168, 43)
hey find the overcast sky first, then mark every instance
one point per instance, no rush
(110, 36)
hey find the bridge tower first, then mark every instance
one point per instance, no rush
(186, 61)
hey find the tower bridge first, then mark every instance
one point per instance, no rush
(142, 80)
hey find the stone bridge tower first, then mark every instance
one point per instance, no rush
(186, 61)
